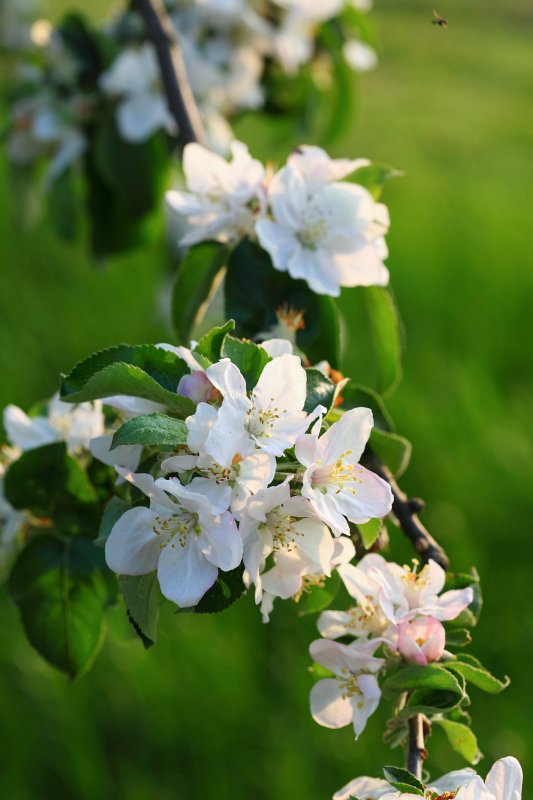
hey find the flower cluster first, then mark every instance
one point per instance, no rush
(249, 487)
(398, 610)
(503, 782)
(314, 225)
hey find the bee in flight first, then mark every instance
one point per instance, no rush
(438, 20)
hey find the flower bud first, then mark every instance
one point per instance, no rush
(196, 386)
(422, 640)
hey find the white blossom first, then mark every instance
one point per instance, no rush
(74, 424)
(337, 486)
(353, 694)
(179, 535)
(321, 230)
(221, 196)
(134, 78)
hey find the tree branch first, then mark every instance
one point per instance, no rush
(180, 99)
(416, 747)
(406, 512)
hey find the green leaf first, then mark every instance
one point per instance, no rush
(374, 177)
(151, 429)
(385, 335)
(475, 673)
(356, 396)
(136, 370)
(403, 780)
(317, 598)
(250, 358)
(462, 739)
(112, 513)
(210, 345)
(254, 291)
(62, 589)
(193, 284)
(52, 485)
(458, 637)
(369, 531)
(393, 450)
(320, 390)
(62, 205)
(228, 587)
(141, 595)
(430, 688)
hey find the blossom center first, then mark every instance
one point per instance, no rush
(281, 529)
(348, 684)
(314, 228)
(175, 529)
(261, 421)
(337, 475)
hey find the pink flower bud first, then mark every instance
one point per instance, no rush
(196, 386)
(422, 640)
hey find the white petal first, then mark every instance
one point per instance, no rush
(504, 780)
(218, 494)
(126, 455)
(365, 787)
(328, 707)
(133, 547)
(351, 432)
(27, 432)
(227, 378)
(282, 383)
(184, 574)
(220, 541)
(141, 115)
(452, 780)
(199, 426)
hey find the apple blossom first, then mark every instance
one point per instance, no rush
(221, 197)
(142, 109)
(337, 486)
(74, 424)
(275, 522)
(364, 788)
(353, 694)
(226, 487)
(178, 535)
(271, 418)
(329, 234)
(421, 640)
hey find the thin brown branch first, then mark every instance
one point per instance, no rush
(180, 99)
(416, 746)
(405, 511)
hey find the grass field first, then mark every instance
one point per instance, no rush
(219, 708)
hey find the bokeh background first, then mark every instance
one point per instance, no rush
(219, 708)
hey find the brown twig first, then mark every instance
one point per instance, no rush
(180, 99)
(416, 747)
(405, 510)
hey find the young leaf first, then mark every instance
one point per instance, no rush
(462, 739)
(192, 286)
(62, 589)
(374, 177)
(458, 637)
(393, 450)
(255, 291)
(369, 531)
(403, 780)
(317, 598)
(249, 358)
(112, 513)
(385, 336)
(151, 429)
(458, 580)
(320, 390)
(141, 595)
(475, 673)
(137, 370)
(210, 345)
(430, 688)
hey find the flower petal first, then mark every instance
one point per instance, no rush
(185, 574)
(328, 707)
(133, 547)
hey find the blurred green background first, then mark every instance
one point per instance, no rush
(219, 708)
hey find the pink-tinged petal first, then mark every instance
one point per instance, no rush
(422, 640)
(328, 707)
(185, 574)
(369, 497)
(504, 780)
(351, 432)
(328, 654)
(220, 541)
(450, 604)
(196, 386)
(133, 547)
